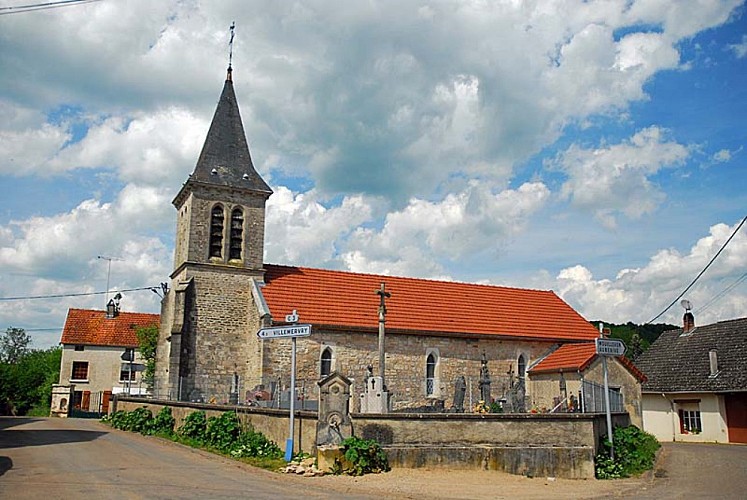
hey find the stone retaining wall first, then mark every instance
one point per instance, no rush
(559, 445)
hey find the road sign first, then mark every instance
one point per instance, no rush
(610, 347)
(289, 331)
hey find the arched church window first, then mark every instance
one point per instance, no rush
(430, 375)
(216, 232)
(326, 365)
(521, 366)
(237, 234)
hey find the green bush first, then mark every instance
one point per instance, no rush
(162, 423)
(194, 426)
(363, 456)
(223, 431)
(255, 444)
(635, 452)
(138, 420)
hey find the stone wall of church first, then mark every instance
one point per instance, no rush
(406, 358)
(218, 339)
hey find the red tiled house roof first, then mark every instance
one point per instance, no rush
(91, 327)
(577, 358)
(347, 301)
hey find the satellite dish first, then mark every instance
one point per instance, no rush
(686, 304)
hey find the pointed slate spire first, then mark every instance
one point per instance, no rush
(225, 158)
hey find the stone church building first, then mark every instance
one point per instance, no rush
(222, 293)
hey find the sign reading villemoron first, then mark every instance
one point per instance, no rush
(287, 332)
(610, 347)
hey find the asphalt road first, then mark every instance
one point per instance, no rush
(73, 458)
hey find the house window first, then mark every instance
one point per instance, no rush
(79, 348)
(690, 422)
(216, 232)
(124, 373)
(237, 234)
(326, 364)
(430, 374)
(80, 370)
(521, 366)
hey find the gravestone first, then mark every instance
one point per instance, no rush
(375, 399)
(484, 381)
(460, 389)
(333, 424)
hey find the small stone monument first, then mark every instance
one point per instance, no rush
(374, 399)
(333, 424)
(62, 395)
(460, 389)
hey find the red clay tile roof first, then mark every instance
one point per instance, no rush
(577, 358)
(568, 357)
(90, 327)
(344, 300)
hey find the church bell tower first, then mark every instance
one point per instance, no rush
(206, 340)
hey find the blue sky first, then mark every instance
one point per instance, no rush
(592, 148)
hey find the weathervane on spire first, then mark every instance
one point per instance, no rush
(230, 44)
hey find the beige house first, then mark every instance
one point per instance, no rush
(697, 383)
(93, 345)
(571, 378)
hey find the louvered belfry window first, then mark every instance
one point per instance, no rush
(216, 232)
(237, 234)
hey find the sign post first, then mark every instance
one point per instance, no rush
(292, 331)
(608, 348)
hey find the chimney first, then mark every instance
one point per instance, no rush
(714, 363)
(688, 322)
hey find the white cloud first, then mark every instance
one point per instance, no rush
(639, 294)
(301, 231)
(739, 49)
(617, 178)
(413, 240)
(722, 155)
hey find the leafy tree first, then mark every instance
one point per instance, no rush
(147, 338)
(14, 344)
(26, 386)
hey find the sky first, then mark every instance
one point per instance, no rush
(594, 148)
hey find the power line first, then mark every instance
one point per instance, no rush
(723, 293)
(33, 297)
(17, 9)
(701, 272)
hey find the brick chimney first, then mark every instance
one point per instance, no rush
(688, 322)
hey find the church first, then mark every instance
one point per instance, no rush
(438, 334)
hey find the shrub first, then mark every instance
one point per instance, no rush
(223, 431)
(635, 451)
(363, 456)
(138, 420)
(162, 423)
(255, 444)
(194, 426)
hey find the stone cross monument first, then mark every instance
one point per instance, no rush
(383, 295)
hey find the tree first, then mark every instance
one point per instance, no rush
(147, 338)
(14, 344)
(26, 386)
